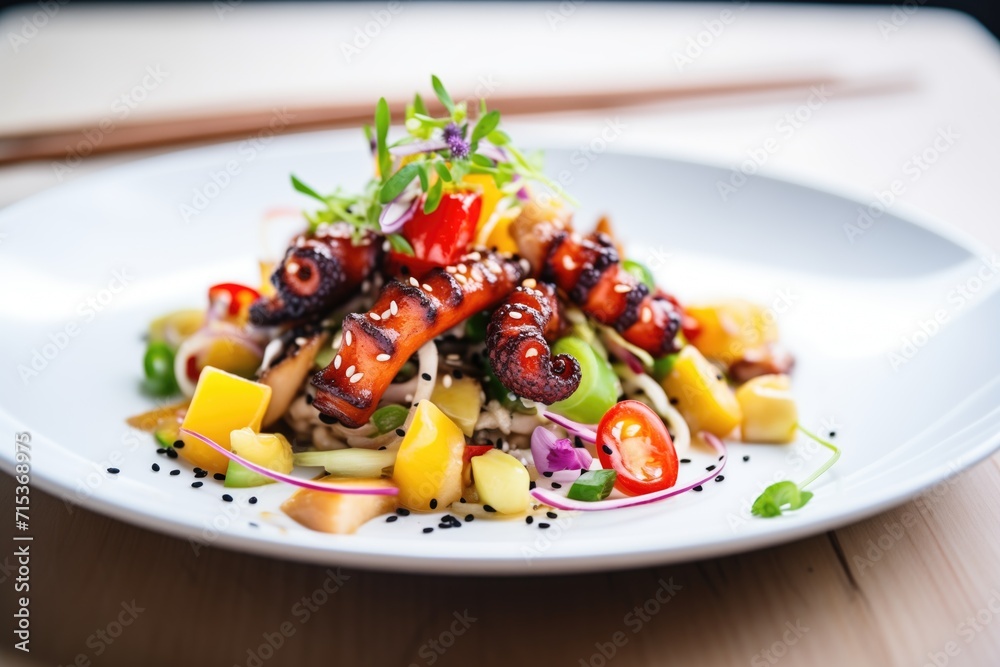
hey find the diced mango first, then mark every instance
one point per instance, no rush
(769, 411)
(222, 403)
(428, 467)
(501, 482)
(729, 328)
(271, 450)
(702, 396)
(461, 401)
(489, 194)
(340, 513)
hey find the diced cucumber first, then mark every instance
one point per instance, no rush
(593, 485)
(239, 476)
(389, 418)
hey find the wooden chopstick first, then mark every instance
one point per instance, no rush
(55, 144)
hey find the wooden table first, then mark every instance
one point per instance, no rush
(916, 585)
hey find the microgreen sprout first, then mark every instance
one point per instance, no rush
(787, 496)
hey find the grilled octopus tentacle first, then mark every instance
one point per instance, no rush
(318, 271)
(589, 272)
(376, 344)
(519, 352)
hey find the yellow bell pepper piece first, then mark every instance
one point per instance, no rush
(221, 404)
(501, 482)
(489, 193)
(730, 328)
(769, 411)
(428, 468)
(702, 396)
(461, 401)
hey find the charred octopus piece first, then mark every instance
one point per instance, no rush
(318, 272)
(518, 342)
(376, 344)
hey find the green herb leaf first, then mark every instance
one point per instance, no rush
(306, 190)
(779, 497)
(418, 105)
(400, 244)
(498, 138)
(382, 120)
(442, 171)
(398, 182)
(481, 161)
(485, 125)
(442, 94)
(423, 177)
(433, 197)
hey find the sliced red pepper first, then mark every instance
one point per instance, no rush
(441, 237)
(633, 441)
(239, 298)
(474, 450)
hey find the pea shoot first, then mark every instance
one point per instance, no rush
(787, 496)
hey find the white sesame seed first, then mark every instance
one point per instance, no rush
(462, 268)
(515, 315)
(300, 341)
(393, 307)
(292, 267)
(453, 357)
(460, 278)
(446, 381)
(568, 263)
(374, 316)
(414, 282)
(622, 288)
(530, 283)
(474, 256)
(383, 357)
(647, 314)
(337, 361)
(450, 269)
(532, 352)
(427, 287)
(525, 265)
(387, 313)
(366, 286)
(356, 377)
(347, 338)
(350, 370)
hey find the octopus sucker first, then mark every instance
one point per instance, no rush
(518, 339)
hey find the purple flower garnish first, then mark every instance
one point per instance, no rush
(453, 136)
(552, 454)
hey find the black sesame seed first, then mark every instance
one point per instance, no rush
(201, 474)
(607, 450)
(462, 500)
(228, 498)
(381, 448)
(175, 472)
(697, 488)
(196, 470)
(114, 471)
(833, 434)
(390, 519)
(196, 485)
(469, 517)
(458, 374)
(529, 520)
(156, 467)
(400, 432)
(746, 458)
(722, 457)
(219, 476)
(556, 485)
(171, 453)
(428, 530)
(253, 500)
(309, 399)
(403, 512)
(488, 508)
(327, 419)
(531, 485)
(426, 376)
(552, 515)
(577, 441)
(674, 401)
(547, 474)
(253, 525)
(444, 526)
(161, 450)
(178, 444)
(685, 460)
(720, 478)
(710, 468)
(434, 503)
(543, 525)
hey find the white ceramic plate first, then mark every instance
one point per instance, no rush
(87, 265)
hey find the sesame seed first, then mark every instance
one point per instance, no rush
(196, 485)
(488, 508)
(434, 503)
(390, 519)
(337, 361)
(178, 444)
(530, 283)
(746, 458)
(393, 308)
(428, 530)
(568, 263)
(515, 315)
(450, 269)
(386, 314)
(427, 287)
(444, 526)
(414, 282)
(161, 450)
(175, 472)
(685, 460)
(172, 454)
(200, 474)
(426, 376)
(547, 473)
(356, 377)
(719, 478)
(350, 370)
(156, 467)
(383, 357)
(607, 450)
(400, 432)
(374, 316)
(253, 500)
(529, 520)
(228, 498)
(532, 352)
(710, 468)
(446, 381)
(474, 256)
(556, 485)
(697, 488)
(647, 314)
(833, 434)
(309, 399)
(543, 525)
(552, 515)
(327, 419)
(469, 517)
(462, 268)
(460, 278)
(622, 288)
(347, 338)
(531, 485)
(403, 511)
(219, 476)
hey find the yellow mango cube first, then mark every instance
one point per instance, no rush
(428, 468)
(702, 396)
(222, 403)
(769, 411)
(501, 482)
(730, 328)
